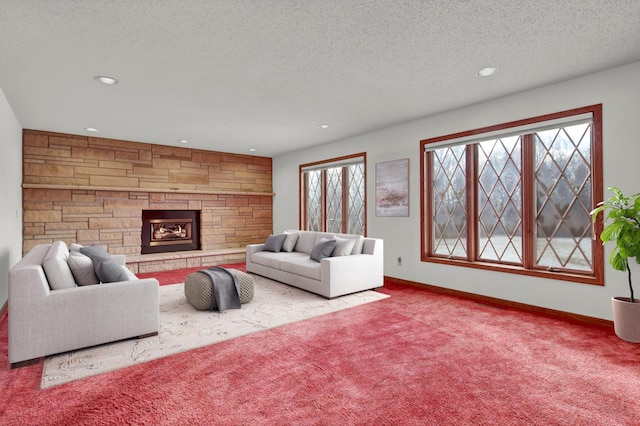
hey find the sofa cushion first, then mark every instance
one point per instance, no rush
(344, 246)
(273, 260)
(267, 258)
(56, 268)
(303, 266)
(323, 249)
(82, 268)
(290, 242)
(106, 269)
(306, 241)
(274, 243)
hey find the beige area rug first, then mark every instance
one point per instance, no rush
(183, 328)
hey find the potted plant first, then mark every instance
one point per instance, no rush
(622, 226)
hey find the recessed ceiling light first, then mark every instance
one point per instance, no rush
(324, 126)
(106, 80)
(91, 129)
(252, 150)
(487, 72)
(183, 141)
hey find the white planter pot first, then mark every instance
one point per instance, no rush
(626, 318)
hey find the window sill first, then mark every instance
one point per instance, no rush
(512, 269)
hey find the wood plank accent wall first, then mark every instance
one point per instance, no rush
(92, 190)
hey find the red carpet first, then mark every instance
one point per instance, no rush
(415, 358)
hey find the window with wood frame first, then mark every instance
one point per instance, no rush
(516, 197)
(333, 195)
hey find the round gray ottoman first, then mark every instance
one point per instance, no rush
(198, 289)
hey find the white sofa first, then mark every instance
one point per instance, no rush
(44, 321)
(362, 269)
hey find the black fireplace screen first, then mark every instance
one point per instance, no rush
(170, 231)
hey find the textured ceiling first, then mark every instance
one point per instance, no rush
(229, 75)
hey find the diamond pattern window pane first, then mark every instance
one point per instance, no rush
(314, 200)
(334, 199)
(449, 235)
(355, 208)
(500, 200)
(563, 197)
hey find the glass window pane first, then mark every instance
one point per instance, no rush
(334, 199)
(314, 200)
(500, 200)
(563, 198)
(355, 222)
(449, 232)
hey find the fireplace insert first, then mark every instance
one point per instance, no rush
(170, 230)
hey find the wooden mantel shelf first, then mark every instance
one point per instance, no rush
(156, 190)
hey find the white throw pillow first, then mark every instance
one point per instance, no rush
(75, 247)
(357, 248)
(359, 242)
(344, 246)
(290, 242)
(56, 268)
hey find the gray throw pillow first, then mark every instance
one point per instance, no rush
(95, 252)
(274, 243)
(82, 268)
(323, 249)
(106, 269)
(111, 272)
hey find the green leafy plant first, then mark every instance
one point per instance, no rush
(622, 226)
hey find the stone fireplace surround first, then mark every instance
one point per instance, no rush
(93, 190)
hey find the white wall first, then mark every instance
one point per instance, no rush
(10, 193)
(617, 89)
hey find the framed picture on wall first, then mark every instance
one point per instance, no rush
(392, 188)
